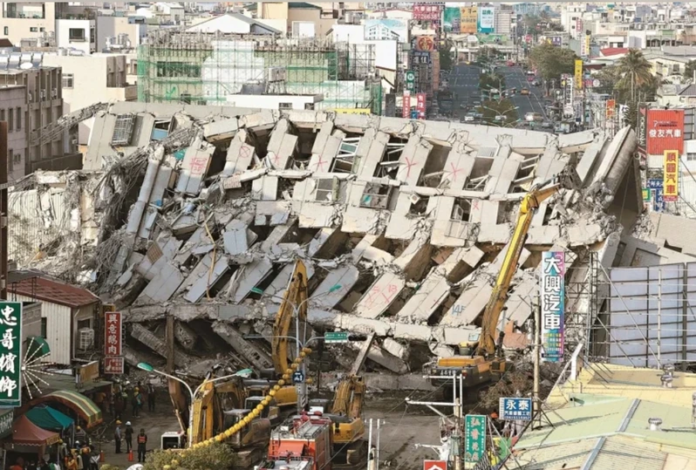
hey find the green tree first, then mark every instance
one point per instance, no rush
(214, 457)
(446, 56)
(690, 69)
(636, 72)
(551, 61)
(488, 81)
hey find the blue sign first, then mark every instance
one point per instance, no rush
(298, 377)
(655, 188)
(655, 183)
(414, 114)
(514, 408)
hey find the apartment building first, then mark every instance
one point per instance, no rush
(77, 34)
(25, 20)
(13, 109)
(44, 106)
(90, 79)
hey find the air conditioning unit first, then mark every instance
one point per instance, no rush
(54, 93)
(31, 98)
(86, 338)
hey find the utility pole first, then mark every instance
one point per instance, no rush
(537, 352)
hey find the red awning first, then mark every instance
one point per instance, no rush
(290, 449)
(27, 433)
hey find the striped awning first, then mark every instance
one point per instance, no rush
(80, 404)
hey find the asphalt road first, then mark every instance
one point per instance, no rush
(463, 81)
(516, 78)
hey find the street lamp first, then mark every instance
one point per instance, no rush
(149, 368)
(296, 314)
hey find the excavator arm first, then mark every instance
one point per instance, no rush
(295, 297)
(207, 416)
(528, 207)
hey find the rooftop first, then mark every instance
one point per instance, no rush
(52, 291)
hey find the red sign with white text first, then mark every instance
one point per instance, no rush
(434, 465)
(420, 105)
(113, 342)
(665, 131)
(113, 365)
(426, 12)
(406, 112)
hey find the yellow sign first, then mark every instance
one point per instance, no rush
(578, 74)
(352, 110)
(670, 183)
(467, 20)
(89, 372)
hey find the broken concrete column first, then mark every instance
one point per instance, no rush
(239, 155)
(322, 160)
(365, 250)
(383, 358)
(370, 153)
(138, 209)
(185, 335)
(281, 145)
(157, 344)
(194, 167)
(413, 159)
(255, 355)
(380, 295)
(247, 277)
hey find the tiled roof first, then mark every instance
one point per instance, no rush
(54, 292)
(609, 51)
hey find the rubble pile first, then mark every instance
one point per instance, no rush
(402, 224)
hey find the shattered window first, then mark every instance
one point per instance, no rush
(375, 196)
(343, 163)
(461, 210)
(325, 190)
(123, 129)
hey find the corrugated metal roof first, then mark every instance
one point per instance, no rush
(615, 454)
(54, 292)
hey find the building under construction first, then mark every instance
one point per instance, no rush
(207, 68)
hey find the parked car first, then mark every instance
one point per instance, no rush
(536, 83)
(531, 117)
(510, 63)
(469, 117)
(524, 91)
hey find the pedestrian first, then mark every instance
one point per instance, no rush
(43, 465)
(53, 464)
(117, 437)
(129, 436)
(150, 397)
(71, 463)
(94, 461)
(86, 456)
(19, 464)
(137, 402)
(142, 442)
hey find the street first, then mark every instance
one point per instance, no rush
(464, 80)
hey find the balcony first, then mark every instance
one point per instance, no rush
(33, 10)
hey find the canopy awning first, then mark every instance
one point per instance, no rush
(80, 404)
(37, 348)
(27, 433)
(48, 418)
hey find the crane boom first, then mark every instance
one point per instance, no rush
(528, 207)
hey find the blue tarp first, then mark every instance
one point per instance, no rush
(48, 418)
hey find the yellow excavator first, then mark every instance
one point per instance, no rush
(482, 361)
(350, 447)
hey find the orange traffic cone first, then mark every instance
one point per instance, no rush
(102, 459)
(130, 455)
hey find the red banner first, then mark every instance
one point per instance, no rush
(665, 131)
(113, 365)
(420, 105)
(611, 106)
(406, 112)
(113, 342)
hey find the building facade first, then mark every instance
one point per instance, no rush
(13, 110)
(24, 20)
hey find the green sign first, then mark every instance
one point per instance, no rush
(336, 337)
(6, 420)
(10, 354)
(646, 194)
(474, 437)
(410, 80)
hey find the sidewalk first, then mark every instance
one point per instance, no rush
(155, 424)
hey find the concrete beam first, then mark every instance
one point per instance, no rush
(157, 344)
(252, 353)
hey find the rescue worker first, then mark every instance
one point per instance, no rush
(117, 437)
(150, 397)
(129, 436)
(86, 456)
(142, 443)
(137, 402)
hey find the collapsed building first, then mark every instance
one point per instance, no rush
(198, 213)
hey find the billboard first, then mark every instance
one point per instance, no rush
(425, 43)
(474, 438)
(665, 130)
(552, 305)
(11, 350)
(386, 30)
(426, 12)
(670, 182)
(420, 105)
(406, 111)
(467, 20)
(486, 20)
(452, 19)
(435, 61)
(578, 74)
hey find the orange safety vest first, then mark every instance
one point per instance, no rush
(142, 439)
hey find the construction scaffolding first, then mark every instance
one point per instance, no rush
(207, 68)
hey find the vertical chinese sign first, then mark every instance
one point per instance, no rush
(578, 74)
(406, 106)
(420, 105)
(670, 183)
(10, 354)
(552, 304)
(113, 343)
(474, 438)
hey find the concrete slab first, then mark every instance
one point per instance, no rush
(194, 167)
(202, 277)
(247, 277)
(252, 353)
(413, 159)
(344, 276)
(162, 286)
(380, 295)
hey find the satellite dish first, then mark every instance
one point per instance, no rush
(26, 65)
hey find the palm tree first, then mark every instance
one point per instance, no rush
(635, 70)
